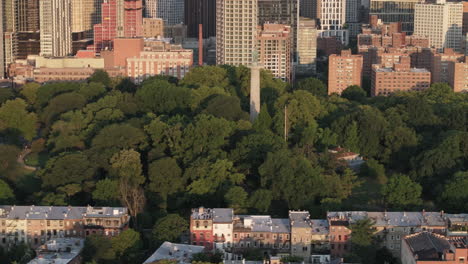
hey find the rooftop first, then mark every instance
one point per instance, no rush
(180, 252)
(428, 246)
(59, 251)
(299, 219)
(392, 218)
(223, 215)
(58, 212)
(320, 227)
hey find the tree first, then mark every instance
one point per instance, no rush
(455, 193)
(114, 138)
(227, 107)
(206, 177)
(261, 200)
(107, 192)
(67, 168)
(29, 91)
(166, 178)
(362, 241)
(9, 166)
(14, 116)
(374, 170)
(126, 166)
(60, 104)
(169, 228)
(161, 96)
(263, 121)
(236, 197)
(100, 76)
(290, 178)
(210, 76)
(92, 90)
(6, 193)
(6, 94)
(128, 240)
(354, 93)
(98, 248)
(401, 192)
(312, 85)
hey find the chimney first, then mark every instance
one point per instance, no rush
(200, 210)
(200, 44)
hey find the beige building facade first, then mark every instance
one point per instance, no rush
(56, 28)
(441, 23)
(236, 31)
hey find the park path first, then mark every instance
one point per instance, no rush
(20, 159)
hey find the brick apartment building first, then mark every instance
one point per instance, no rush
(401, 77)
(274, 46)
(442, 63)
(35, 225)
(343, 71)
(459, 76)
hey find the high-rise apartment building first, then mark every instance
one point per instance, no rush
(441, 63)
(133, 18)
(281, 12)
(274, 47)
(401, 77)
(459, 76)
(10, 26)
(306, 47)
(200, 12)
(56, 28)
(395, 11)
(106, 31)
(120, 18)
(465, 18)
(236, 31)
(441, 23)
(28, 15)
(171, 11)
(85, 14)
(151, 8)
(343, 71)
(332, 16)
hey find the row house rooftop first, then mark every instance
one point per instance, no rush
(59, 212)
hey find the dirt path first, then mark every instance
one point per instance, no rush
(20, 159)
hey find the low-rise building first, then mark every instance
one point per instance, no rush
(180, 253)
(35, 225)
(426, 247)
(60, 251)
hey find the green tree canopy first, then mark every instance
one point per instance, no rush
(401, 192)
(455, 194)
(169, 228)
(14, 116)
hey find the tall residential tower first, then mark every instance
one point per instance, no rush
(236, 31)
(56, 27)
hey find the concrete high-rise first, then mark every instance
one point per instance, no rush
(306, 47)
(332, 16)
(236, 31)
(274, 46)
(441, 23)
(9, 28)
(85, 14)
(56, 28)
(200, 12)
(395, 11)
(28, 15)
(171, 11)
